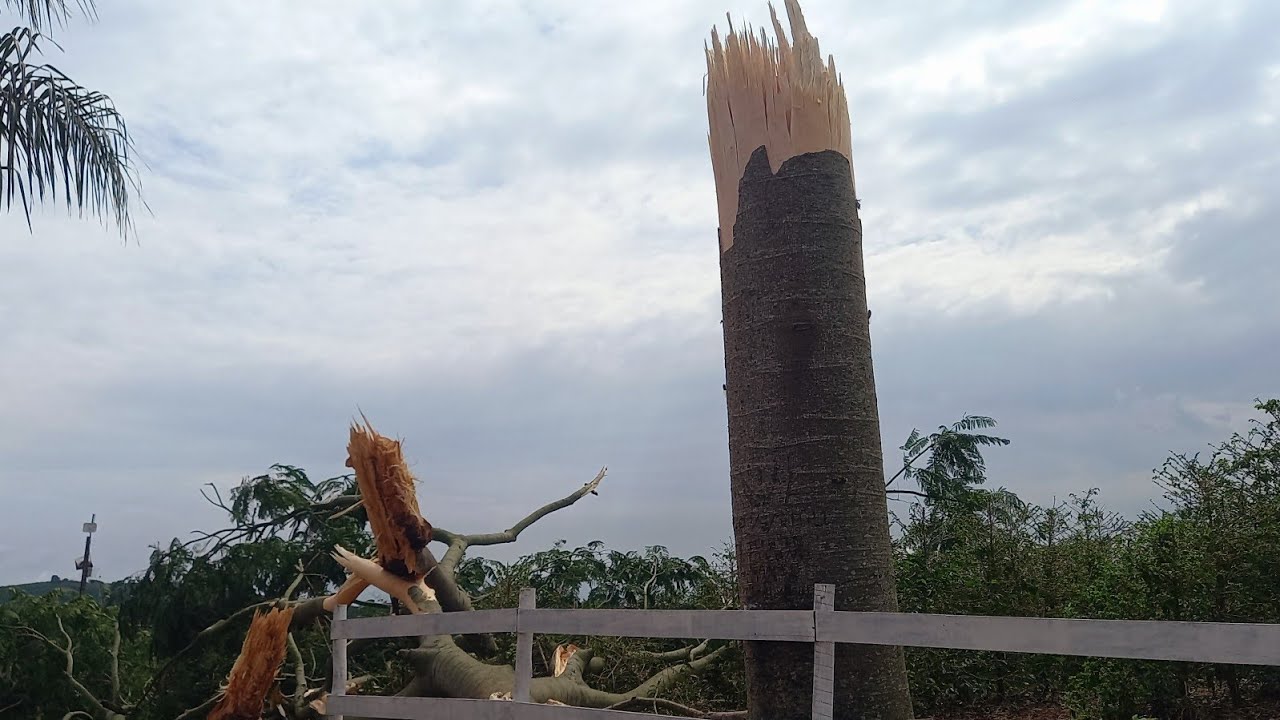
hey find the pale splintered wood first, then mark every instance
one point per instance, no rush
(783, 625)
(338, 686)
(524, 647)
(824, 658)
(454, 623)
(774, 93)
(1228, 643)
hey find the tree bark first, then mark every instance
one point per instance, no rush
(807, 472)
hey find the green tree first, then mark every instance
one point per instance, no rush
(955, 463)
(55, 135)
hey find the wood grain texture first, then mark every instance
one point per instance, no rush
(824, 658)
(1228, 643)
(454, 623)
(339, 684)
(524, 647)
(782, 625)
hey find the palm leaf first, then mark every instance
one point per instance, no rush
(41, 15)
(53, 132)
(973, 422)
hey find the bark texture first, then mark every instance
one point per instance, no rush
(807, 470)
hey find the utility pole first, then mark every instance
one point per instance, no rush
(84, 565)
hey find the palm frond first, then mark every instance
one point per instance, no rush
(41, 15)
(986, 440)
(53, 129)
(973, 422)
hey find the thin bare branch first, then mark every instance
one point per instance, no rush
(115, 662)
(300, 678)
(679, 654)
(293, 586)
(908, 492)
(511, 534)
(69, 652)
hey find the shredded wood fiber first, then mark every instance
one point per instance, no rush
(390, 499)
(254, 672)
(778, 95)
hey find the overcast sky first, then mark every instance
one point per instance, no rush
(492, 228)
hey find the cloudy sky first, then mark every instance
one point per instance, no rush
(492, 228)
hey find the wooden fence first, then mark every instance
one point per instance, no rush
(1229, 643)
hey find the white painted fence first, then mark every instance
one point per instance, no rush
(1229, 643)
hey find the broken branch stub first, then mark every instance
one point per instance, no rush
(254, 671)
(366, 572)
(390, 500)
(778, 95)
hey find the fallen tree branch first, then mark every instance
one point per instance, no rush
(511, 534)
(442, 579)
(300, 678)
(686, 653)
(339, 505)
(100, 711)
(305, 612)
(440, 664)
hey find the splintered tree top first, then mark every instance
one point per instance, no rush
(776, 94)
(390, 500)
(255, 668)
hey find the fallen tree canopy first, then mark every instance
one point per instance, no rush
(161, 645)
(343, 539)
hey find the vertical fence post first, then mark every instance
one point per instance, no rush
(824, 655)
(524, 648)
(338, 686)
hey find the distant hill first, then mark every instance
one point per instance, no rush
(106, 593)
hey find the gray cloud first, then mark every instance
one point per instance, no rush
(494, 233)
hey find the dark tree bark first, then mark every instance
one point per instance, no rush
(807, 471)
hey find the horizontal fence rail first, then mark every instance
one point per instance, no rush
(1208, 642)
(777, 625)
(1227, 643)
(455, 623)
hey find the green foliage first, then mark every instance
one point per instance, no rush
(1212, 553)
(594, 577)
(54, 132)
(281, 529)
(955, 461)
(32, 662)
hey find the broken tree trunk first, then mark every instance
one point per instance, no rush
(807, 472)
